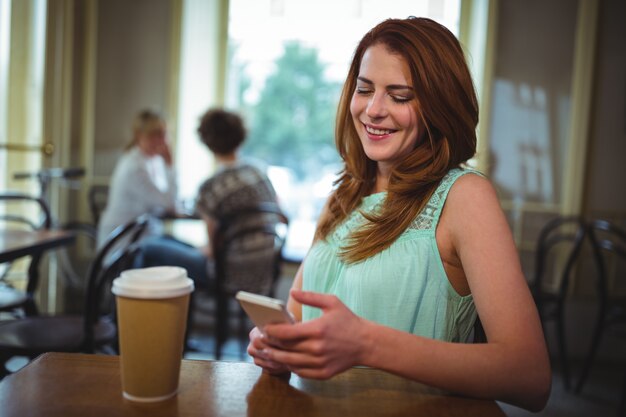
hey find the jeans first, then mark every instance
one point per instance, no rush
(167, 251)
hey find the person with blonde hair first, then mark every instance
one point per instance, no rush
(144, 180)
(412, 246)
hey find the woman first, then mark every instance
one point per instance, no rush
(143, 180)
(411, 247)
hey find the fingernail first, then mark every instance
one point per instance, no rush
(262, 353)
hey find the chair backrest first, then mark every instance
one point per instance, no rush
(609, 248)
(15, 210)
(98, 198)
(115, 255)
(248, 252)
(479, 332)
(560, 239)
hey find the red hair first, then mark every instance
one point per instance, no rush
(447, 107)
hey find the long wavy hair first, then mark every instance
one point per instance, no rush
(447, 108)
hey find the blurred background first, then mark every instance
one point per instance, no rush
(551, 79)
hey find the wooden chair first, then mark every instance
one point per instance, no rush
(479, 332)
(231, 250)
(15, 214)
(31, 336)
(558, 245)
(609, 252)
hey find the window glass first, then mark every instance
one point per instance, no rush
(530, 115)
(287, 62)
(5, 34)
(22, 55)
(531, 102)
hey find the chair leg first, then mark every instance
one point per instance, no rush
(30, 308)
(563, 349)
(595, 342)
(221, 324)
(622, 404)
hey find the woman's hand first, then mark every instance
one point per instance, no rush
(257, 349)
(319, 348)
(164, 151)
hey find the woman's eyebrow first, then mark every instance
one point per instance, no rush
(389, 87)
(399, 87)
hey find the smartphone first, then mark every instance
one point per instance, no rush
(263, 310)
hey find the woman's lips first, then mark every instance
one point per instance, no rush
(376, 133)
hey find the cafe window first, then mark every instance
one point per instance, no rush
(281, 64)
(287, 60)
(22, 53)
(5, 33)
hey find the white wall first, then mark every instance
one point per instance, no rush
(132, 71)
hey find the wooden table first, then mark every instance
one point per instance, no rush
(63, 384)
(16, 244)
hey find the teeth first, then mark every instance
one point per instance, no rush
(377, 131)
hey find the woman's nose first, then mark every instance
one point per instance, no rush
(376, 107)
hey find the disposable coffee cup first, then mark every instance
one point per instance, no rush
(152, 306)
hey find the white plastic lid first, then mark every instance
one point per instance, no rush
(154, 282)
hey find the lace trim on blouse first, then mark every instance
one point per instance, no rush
(426, 220)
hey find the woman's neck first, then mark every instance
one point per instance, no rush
(382, 179)
(226, 160)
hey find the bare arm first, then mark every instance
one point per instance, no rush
(513, 366)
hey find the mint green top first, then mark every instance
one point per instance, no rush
(405, 286)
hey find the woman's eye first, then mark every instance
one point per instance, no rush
(401, 99)
(363, 90)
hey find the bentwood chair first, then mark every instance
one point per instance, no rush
(609, 252)
(23, 212)
(558, 248)
(31, 336)
(248, 256)
(98, 198)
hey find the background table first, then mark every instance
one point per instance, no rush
(16, 244)
(60, 384)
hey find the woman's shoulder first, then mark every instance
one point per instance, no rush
(472, 210)
(468, 182)
(126, 167)
(472, 194)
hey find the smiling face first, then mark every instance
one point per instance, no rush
(384, 107)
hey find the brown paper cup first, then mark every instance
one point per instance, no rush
(151, 331)
(151, 334)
